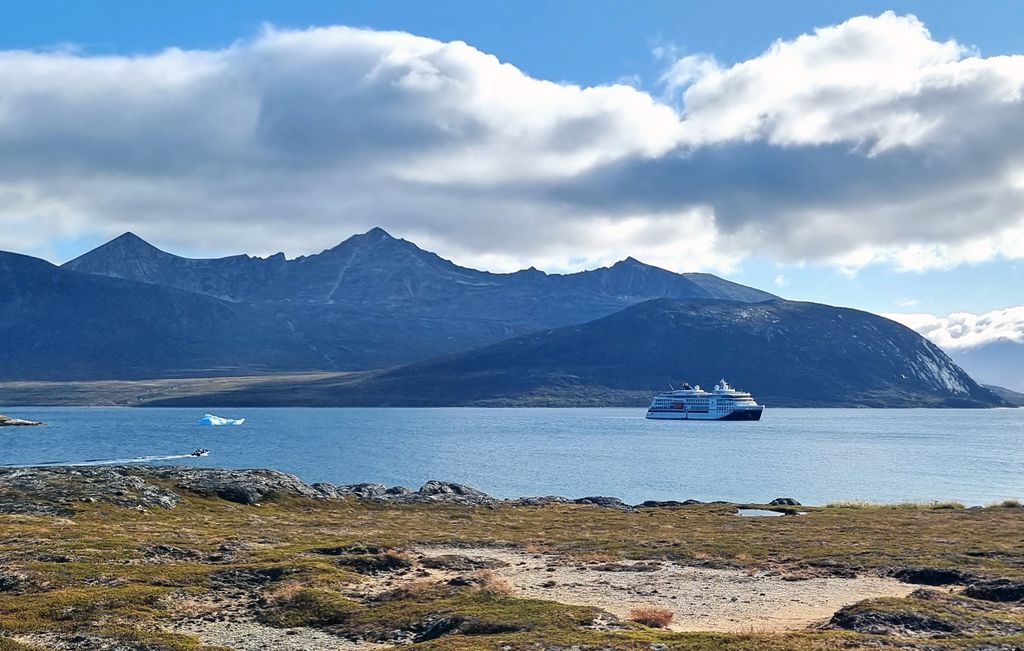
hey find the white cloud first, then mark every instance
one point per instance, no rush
(963, 330)
(861, 143)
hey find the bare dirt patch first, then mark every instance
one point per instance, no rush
(700, 599)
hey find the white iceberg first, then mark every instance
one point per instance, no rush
(210, 419)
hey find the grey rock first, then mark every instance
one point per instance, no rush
(1003, 590)
(458, 563)
(877, 622)
(444, 489)
(11, 581)
(545, 500)
(932, 576)
(241, 486)
(604, 502)
(784, 501)
(364, 491)
(653, 504)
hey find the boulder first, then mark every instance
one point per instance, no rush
(544, 500)
(11, 581)
(440, 491)
(458, 563)
(604, 502)
(784, 501)
(240, 486)
(881, 622)
(652, 504)
(932, 576)
(1003, 590)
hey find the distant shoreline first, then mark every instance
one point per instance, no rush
(305, 389)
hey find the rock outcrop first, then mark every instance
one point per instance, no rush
(56, 490)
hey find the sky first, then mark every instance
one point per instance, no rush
(854, 153)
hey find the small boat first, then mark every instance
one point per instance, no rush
(693, 403)
(201, 452)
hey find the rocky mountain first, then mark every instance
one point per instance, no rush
(375, 301)
(787, 353)
(376, 269)
(60, 324)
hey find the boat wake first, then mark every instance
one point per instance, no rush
(102, 462)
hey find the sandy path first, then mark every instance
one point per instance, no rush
(702, 599)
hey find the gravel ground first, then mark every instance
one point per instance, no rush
(253, 636)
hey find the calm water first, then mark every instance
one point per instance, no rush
(814, 455)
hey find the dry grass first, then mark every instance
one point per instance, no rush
(488, 581)
(653, 616)
(856, 504)
(282, 593)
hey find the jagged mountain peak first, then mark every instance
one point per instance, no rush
(374, 236)
(129, 242)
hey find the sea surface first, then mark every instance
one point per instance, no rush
(813, 455)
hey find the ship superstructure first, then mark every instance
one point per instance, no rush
(694, 403)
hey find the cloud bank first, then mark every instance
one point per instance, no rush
(864, 142)
(963, 330)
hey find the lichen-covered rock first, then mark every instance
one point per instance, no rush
(457, 563)
(652, 504)
(604, 502)
(56, 491)
(241, 486)
(1003, 590)
(882, 622)
(932, 576)
(545, 500)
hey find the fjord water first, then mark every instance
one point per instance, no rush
(814, 455)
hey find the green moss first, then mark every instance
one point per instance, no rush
(308, 607)
(7, 644)
(69, 608)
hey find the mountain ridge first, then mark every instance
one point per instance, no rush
(110, 259)
(375, 301)
(786, 352)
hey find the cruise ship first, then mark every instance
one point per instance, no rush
(694, 403)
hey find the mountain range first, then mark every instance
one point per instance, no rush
(375, 301)
(410, 327)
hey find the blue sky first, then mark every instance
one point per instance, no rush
(582, 41)
(589, 44)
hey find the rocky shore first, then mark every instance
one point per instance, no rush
(55, 490)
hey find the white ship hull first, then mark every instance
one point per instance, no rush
(742, 414)
(693, 403)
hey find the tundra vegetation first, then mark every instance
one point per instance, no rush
(100, 573)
